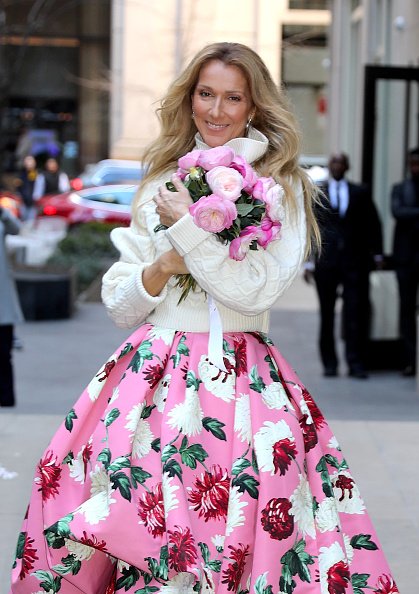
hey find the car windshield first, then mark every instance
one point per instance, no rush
(112, 195)
(112, 175)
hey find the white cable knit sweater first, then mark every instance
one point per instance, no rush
(243, 291)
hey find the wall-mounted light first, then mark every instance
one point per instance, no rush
(399, 23)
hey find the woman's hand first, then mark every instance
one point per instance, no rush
(172, 206)
(172, 263)
(157, 274)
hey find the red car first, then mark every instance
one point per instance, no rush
(110, 204)
(11, 201)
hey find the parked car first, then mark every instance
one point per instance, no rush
(11, 201)
(110, 204)
(109, 171)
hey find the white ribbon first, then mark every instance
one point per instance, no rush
(215, 341)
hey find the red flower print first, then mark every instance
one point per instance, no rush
(240, 352)
(345, 483)
(49, 476)
(86, 454)
(211, 493)
(182, 551)
(234, 572)
(386, 585)
(284, 451)
(276, 518)
(309, 433)
(151, 511)
(93, 542)
(28, 557)
(106, 370)
(154, 373)
(316, 415)
(338, 578)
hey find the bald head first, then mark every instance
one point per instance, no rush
(338, 165)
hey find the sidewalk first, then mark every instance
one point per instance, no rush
(377, 419)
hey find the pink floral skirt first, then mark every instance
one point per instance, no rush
(172, 476)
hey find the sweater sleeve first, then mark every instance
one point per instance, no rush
(252, 285)
(123, 293)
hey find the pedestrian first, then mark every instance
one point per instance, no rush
(351, 248)
(405, 209)
(10, 312)
(26, 184)
(178, 472)
(51, 181)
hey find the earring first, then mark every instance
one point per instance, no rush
(249, 121)
(193, 115)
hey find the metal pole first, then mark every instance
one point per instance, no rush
(178, 37)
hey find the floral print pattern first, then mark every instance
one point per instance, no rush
(172, 476)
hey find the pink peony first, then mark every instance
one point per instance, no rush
(219, 155)
(213, 214)
(189, 160)
(181, 173)
(246, 171)
(269, 231)
(273, 200)
(225, 182)
(260, 188)
(240, 245)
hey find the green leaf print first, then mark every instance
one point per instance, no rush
(118, 463)
(130, 576)
(155, 444)
(248, 483)
(254, 462)
(20, 547)
(227, 349)
(111, 417)
(138, 476)
(159, 569)
(182, 349)
(214, 565)
(105, 457)
(190, 454)
(173, 468)
(69, 458)
(121, 482)
(61, 528)
(214, 426)
(147, 590)
(273, 372)
(204, 551)
(239, 465)
(295, 562)
(261, 585)
(358, 581)
(192, 380)
(324, 473)
(49, 583)
(363, 541)
(68, 423)
(142, 354)
(257, 384)
(127, 349)
(168, 451)
(69, 565)
(286, 581)
(146, 412)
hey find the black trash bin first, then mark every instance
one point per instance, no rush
(46, 295)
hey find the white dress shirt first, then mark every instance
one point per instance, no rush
(339, 195)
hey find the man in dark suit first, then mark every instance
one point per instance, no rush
(351, 242)
(405, 209)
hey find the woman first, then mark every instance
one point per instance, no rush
(171, 474)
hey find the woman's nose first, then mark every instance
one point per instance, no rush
(216, 107)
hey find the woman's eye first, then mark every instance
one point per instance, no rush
(235, 98)
(204, 94)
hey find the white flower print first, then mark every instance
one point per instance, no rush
(302, 507)
(305, 411)
(333, 444)
(275, 397)
(187, 416)
(348, 548)
(164, 334)
(328, 557)
(94, 389)
(218, 542)
(161, 392)
(219, 383)
(242, 421)
(80, 551)
(76, 468)
(182, 583)
(235, 516)
(327, 517)
(141, 434)
(122, 565)
(264, 441)
(169, 498)
(97, 507)
(348, 497)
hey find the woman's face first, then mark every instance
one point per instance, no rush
(221, 103)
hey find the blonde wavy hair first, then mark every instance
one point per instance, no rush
(273, 117)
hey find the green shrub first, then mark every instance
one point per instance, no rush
(87, 248)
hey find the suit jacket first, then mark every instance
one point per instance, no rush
(10, 312)
(351, 240)
(405, 209)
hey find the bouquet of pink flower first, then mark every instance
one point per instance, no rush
(231, 201)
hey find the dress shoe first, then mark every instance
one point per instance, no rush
(358, 372)
(409, 371)
(330, 372)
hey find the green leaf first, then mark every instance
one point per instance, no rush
(138, 476)
(68, 423)
(20, 547)
(147, 590)
(332, 461)
(204, 552)
(239, 465)
(273, 372)
(358, 581)
(61, 528)
(192, 380)
(257, 384)
(255, 462)
(215, 427)
(111, 416)
(214, 565)
(69, 565)
(248, 483)
(155, 444)
(127, 349)
(121, 482)
(324, 473)
(192, 453)
(142, 354)
(261, 585)
(296, 561)
(118, 463)
(363, 541)
(173, 468)
(130, 576)
(105, 457)
(146, 412)
(168, 451)
(244, 209)
(49, 583)
(69, 458)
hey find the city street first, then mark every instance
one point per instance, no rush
(375, 419)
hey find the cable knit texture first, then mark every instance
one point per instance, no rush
(243, 291)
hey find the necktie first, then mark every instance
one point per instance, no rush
(338, 198)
